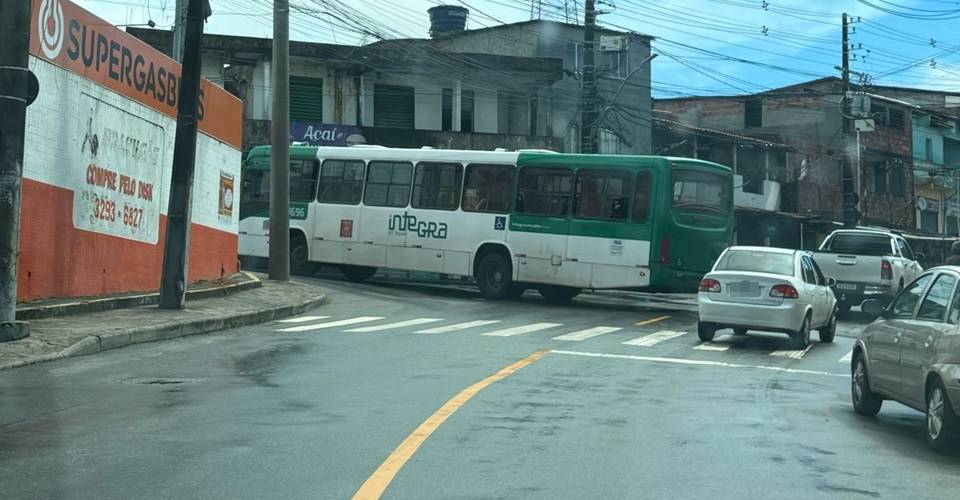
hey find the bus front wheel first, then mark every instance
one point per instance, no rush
(300, 264)
(494, 277)
(358, 273)
(560, 294)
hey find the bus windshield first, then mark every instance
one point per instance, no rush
(696, 191)
(255, 195)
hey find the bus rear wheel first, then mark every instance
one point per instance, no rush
(494, 277)
(358, 273)
(554, 293)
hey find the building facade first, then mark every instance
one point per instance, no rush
(807, 117)
(512, 86)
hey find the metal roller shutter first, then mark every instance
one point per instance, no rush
(306, 99)
(393, 106)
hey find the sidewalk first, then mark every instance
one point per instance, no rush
(210, 308)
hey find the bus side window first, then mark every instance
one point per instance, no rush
(303, 179)
(437, 186)
(488, 188)
(544, 191)
(601, 194)
(341, 182)
(388, 184)
(641, 197)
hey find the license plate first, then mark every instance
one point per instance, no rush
(745, 289)
(848, 286)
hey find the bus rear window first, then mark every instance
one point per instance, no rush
(756, 261)
(695, 191)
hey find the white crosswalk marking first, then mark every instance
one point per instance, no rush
(393, 326)
(301, 319)
(517, 330)
(847, 357)
(795, 354)
(654, 338)
(588, 333)
(712, 346)
(459, 326)
(330, 324)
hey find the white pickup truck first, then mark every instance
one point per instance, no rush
(866, 264)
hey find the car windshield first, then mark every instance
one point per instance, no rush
(861, 244)
(757, 261)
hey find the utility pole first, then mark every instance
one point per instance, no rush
(280, 141)
(176, 249)
(14, 81)
(851, 197)
(179, 30)
(588, 117)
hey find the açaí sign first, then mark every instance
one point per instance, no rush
(323, 134)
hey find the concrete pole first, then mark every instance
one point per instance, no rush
(176, 249)
(280, 145)
(588, 127)
(179, 30)
(14, 78)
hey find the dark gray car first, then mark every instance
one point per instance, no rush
(911, 354)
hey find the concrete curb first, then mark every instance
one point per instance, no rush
(115, 340)
(146, 299)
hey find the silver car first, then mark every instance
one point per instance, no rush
(911, 354)
(768, 289)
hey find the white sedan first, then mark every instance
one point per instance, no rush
(769, 289)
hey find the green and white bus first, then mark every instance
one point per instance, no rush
(556, 222)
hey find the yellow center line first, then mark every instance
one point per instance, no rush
(377, 483)
(651, 321)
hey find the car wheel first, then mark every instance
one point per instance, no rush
(494, 277)
(942, 422)
(706, 331)
(358, 273)
(865, 401)
(801, 338)
(828, 332)
(558, 293)
(739, 331)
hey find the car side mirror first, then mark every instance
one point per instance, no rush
(874, 308)
(920, 256)
(831, 282)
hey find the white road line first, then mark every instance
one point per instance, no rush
(795, 354)
(459, 326)
(654, 338)
(847, 357)
(588, 333)
(301, 319)
(330, 324)
(712, 346)
(517, 330)
(392, 326)
(700, 362)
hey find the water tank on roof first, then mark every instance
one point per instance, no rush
(446, 19)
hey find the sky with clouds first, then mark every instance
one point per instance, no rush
(706, 47)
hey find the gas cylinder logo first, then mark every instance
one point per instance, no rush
(51, 27)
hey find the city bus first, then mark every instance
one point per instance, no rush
(513, 221)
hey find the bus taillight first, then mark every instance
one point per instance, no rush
(665, 250)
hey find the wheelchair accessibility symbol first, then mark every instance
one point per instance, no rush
(500, 224)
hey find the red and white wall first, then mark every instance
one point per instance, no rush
(97, 166)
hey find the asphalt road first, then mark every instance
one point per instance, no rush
(626, 403)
